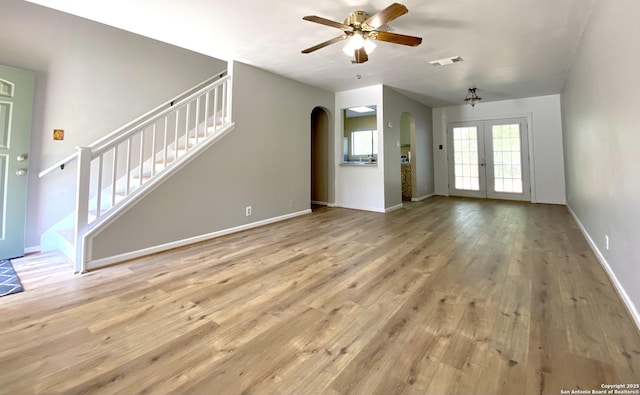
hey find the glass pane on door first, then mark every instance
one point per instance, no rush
(465, 153)
(507, 158)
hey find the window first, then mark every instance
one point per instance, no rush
(507, 158)
(465, 152)
(364, 142)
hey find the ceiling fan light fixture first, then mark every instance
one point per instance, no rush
(348, 50)
(472, 98)
(356, 40)
(369, 46)
(354, 44)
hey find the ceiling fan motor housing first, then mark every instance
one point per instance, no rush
(356, 19)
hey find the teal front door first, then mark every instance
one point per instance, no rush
(16, 99)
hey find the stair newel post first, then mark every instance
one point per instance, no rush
(82, 205)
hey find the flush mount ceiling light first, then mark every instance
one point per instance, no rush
(362, 109)
(472, 98)
(360, 30)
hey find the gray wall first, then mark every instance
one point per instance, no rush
(600, 103)
(264, 163)
(394, 105)
(90, 80)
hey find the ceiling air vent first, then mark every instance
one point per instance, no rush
(446, 61)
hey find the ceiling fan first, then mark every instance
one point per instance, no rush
(361, 30)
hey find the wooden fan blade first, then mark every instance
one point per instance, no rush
(324, 44)
(360, 56)
(385, 16)
(396, 38)
(327, 22)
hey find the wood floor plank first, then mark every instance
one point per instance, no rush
(445, 296)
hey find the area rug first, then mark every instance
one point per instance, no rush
(9, 281)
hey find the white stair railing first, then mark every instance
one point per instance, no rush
(113, 171)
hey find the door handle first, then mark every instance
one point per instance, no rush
(21, 158)
(21, 172)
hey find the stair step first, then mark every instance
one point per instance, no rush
(134, 184)
(68, 235)
(171, 155)
(105, 200)
(105, 203)
(146, 173)
(66, 243)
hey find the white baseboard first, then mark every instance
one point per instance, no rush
(631, 307)
(32, 249)
(393, 208)
(423, 197)
(331, 205)
(372, 209)
(319, 203)
(180, 243)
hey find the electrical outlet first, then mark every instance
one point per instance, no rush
(247, 211)
(606, 242)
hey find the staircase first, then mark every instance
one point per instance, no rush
(117, 170)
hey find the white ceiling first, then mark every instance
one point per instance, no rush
(511, 48)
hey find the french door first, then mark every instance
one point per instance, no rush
(489, 159)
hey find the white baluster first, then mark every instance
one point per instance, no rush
(99, 196)
(206, 114)
(197, 123)
(175, 141)
(128, 168)
(215, 109)
(164, 151)
(153, 150)
(82, 204)
(224, 103)
(114, 175)
(141, 157)
(186, 132)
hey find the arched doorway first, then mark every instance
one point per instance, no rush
(319, 157)
(408, 155)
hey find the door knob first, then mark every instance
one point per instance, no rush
(21, 172)
(21, 158)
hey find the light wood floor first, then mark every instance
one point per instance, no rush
(447, 296)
